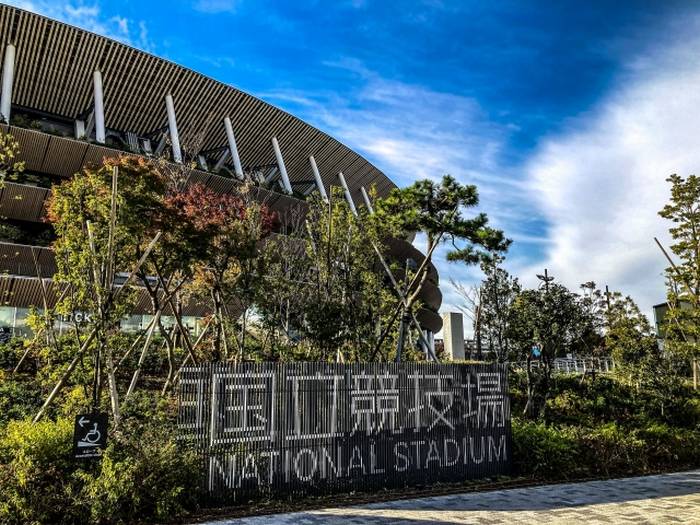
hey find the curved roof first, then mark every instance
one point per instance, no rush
(53, 73)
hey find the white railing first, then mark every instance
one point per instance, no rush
(582, 365)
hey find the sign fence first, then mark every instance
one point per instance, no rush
(299, 428)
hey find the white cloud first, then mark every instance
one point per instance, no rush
(91, 18)
(410, 132)
(601, 185)
(598, 185)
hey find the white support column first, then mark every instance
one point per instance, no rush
(172, 128)
(233, 148)
(99, 110)
(280, 164)
(317, 177)
(79, 129)
(348, 197)
(368, 202)
(8, 75)
(453, 335)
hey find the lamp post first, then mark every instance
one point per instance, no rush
(546, 279)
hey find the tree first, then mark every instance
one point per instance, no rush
(683, 316)
(497, 293)
(94, 239)
(552, 319)
(346, 297)
(284, 289)
(628, 335)
(436, 210)
(228, 270)
(325, 288)
(618, 327)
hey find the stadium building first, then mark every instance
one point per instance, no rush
(71, 98)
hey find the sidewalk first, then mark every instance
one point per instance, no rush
(665, 498)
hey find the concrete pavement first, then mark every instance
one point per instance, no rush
(666, 498)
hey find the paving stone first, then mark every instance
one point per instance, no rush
(666, 498)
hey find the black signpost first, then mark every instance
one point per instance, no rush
(89, 435)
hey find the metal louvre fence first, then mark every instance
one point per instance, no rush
(310, 428)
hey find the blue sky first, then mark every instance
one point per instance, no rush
(567, 115)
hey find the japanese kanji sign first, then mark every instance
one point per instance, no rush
(301, 427)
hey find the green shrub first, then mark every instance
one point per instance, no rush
(667, 447)
(18, 398)
(143, 475)
(143, 479)
(36, 483)
(612, 450)
(542, 451)
(11, 352)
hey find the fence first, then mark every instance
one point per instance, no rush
(301, 428)
(600, 365)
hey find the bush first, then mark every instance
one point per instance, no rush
(35, 472)
(143, 479)
(609, 449)
(143, 475)
(11, 352)
(543, 451)
(670, 448)
(18, 399)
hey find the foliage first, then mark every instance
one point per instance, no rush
(543, 451)
(345, 282)
(143, 476)
(324, 285)
(9, 151)
(682, 330)
(79, 210)
(436, 210)
(497, 293)
(18, 399)
(35, 472)
(11, 352)
(228, 269)
(605, 427)
(551, 318)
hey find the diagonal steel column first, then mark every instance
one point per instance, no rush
(368, 202)
(280, 164)
(8, 75)
(348, 197)
(317, 177)
(99, 108)
(233, 148)
(172, 129)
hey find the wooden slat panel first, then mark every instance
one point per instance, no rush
(32, 146)
(22, 202)
(96, 154)
(64, 156)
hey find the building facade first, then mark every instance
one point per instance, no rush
(71, 98)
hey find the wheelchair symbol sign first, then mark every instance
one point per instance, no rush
(90, 435)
